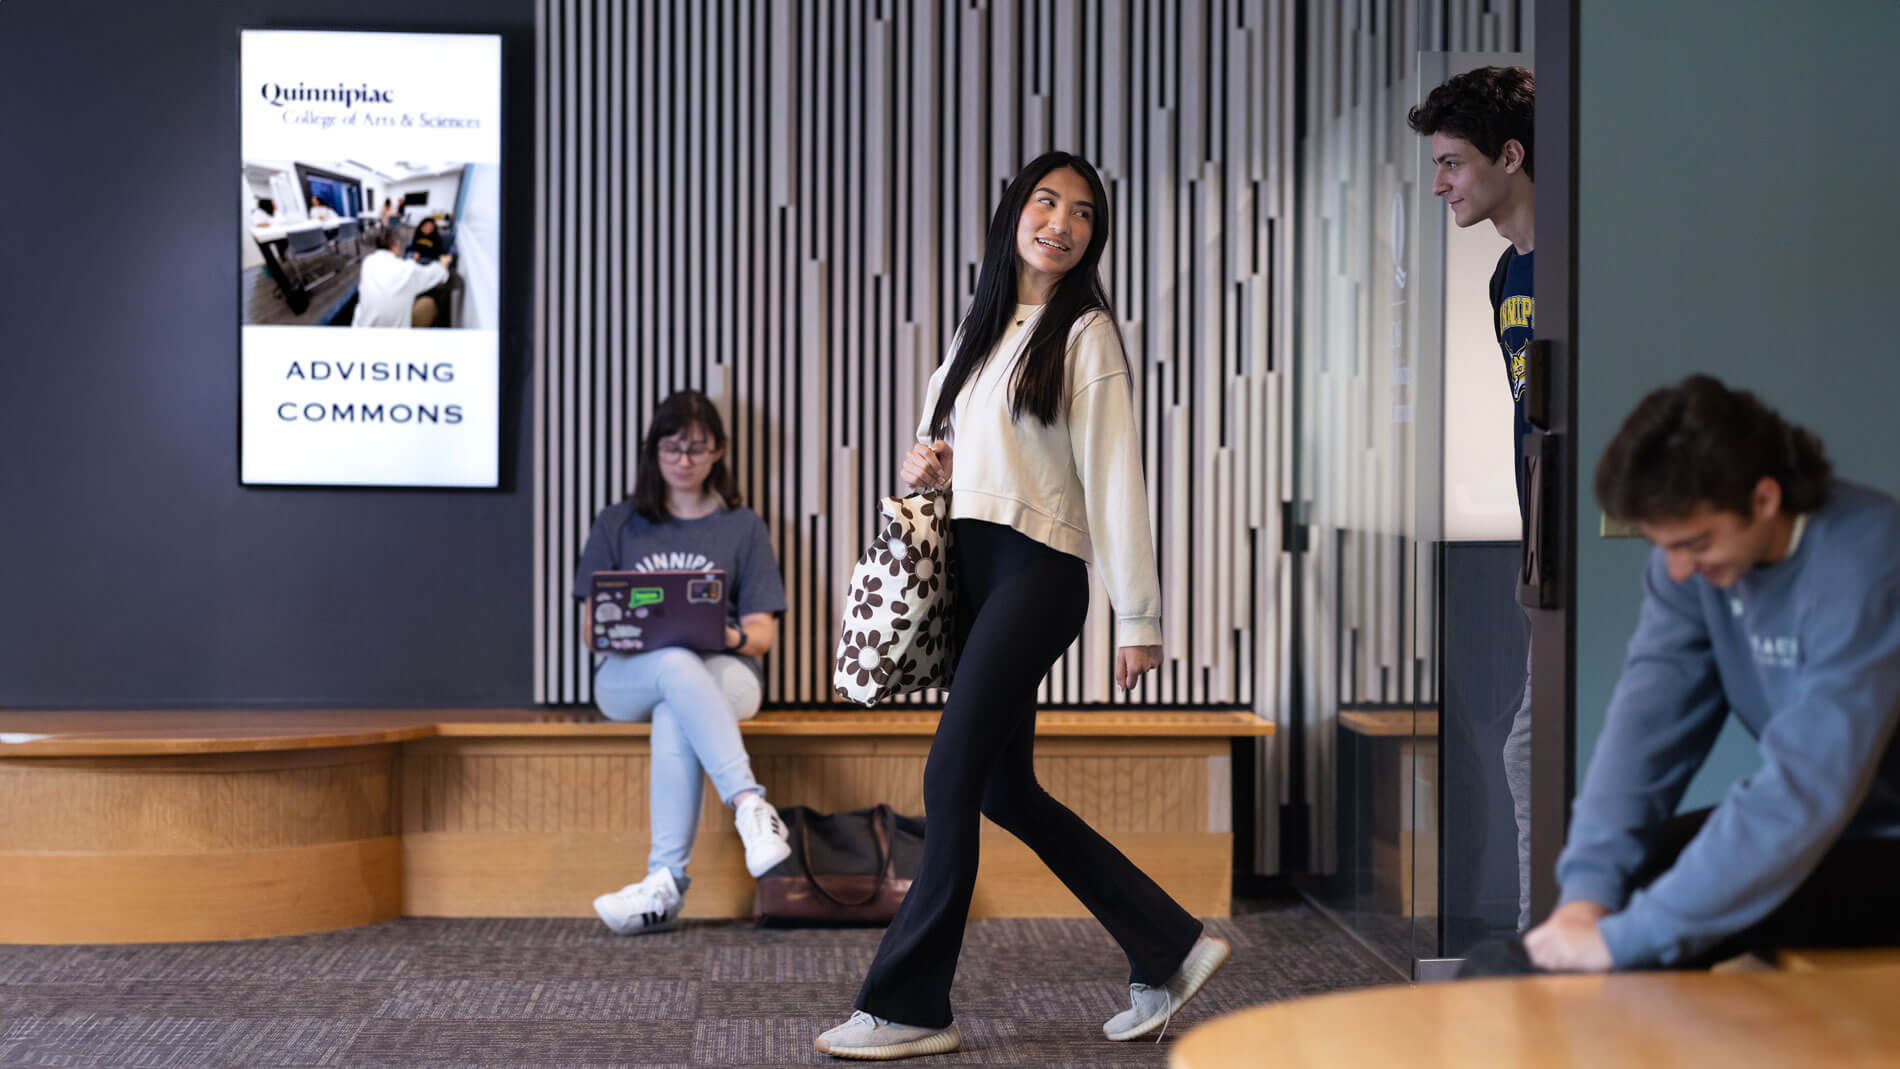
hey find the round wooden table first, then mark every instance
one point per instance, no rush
(1632, 1021)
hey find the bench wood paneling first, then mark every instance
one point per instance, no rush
(126, 827)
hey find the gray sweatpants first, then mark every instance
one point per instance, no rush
(1517, 774)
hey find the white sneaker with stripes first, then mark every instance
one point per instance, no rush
(763, 834)
(651, 905)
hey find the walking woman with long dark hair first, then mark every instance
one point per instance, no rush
(1034, 410)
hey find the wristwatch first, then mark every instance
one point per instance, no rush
(740, 644)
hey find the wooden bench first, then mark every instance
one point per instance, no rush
(1383, 723)
(158, 826)
(1396, 756)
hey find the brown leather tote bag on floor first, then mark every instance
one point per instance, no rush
(850, 868)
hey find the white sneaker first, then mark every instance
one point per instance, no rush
(1153, 1006)
(763, 834)
(871, 1038)
(652, 905)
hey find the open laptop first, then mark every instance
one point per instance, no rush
(638, 611)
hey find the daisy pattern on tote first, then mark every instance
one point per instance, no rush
(889, 547)
(933, 634)
(923, 578)
(908, 673)
(861, 653)
(897, 636)
(866, 598)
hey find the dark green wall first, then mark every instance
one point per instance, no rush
(1737, 167)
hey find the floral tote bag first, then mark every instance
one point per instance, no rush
(899, 628)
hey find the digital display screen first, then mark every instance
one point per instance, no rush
(370, 258)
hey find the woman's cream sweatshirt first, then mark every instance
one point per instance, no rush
(1074, 485)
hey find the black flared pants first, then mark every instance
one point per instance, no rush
(1020, 605)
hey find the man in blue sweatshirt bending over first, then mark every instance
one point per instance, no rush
(1773, 595)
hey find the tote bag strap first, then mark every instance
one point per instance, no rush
(878, 833)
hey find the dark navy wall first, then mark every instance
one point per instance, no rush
(134, 570)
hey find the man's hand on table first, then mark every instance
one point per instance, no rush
(1569, 941)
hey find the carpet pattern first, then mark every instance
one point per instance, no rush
(560, 993)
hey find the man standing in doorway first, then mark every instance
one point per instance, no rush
(1480, 123)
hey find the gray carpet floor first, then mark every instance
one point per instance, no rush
(423, 992)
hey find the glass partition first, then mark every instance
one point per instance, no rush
(1375, 402)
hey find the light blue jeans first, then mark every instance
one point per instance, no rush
(695, 702)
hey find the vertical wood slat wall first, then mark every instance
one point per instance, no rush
(783, 204)
(1367, 458)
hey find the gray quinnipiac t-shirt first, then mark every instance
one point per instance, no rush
(732, 540)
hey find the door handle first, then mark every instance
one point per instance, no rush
(1537, 570)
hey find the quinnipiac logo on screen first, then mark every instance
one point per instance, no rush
(277, 95)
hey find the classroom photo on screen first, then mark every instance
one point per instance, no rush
(343, 243)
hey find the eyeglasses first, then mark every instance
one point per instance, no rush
(671, 451)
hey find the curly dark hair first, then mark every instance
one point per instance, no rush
(1486, 107)
(1699, 442)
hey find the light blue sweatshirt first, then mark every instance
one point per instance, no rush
(1806, 653)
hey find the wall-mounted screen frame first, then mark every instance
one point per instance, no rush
(370, 258)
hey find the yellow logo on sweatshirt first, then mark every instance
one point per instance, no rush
(1515, 312)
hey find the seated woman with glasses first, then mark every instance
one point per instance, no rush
(685, 515)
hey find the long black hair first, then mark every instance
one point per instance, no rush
(1039, 376)
(682, 411)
